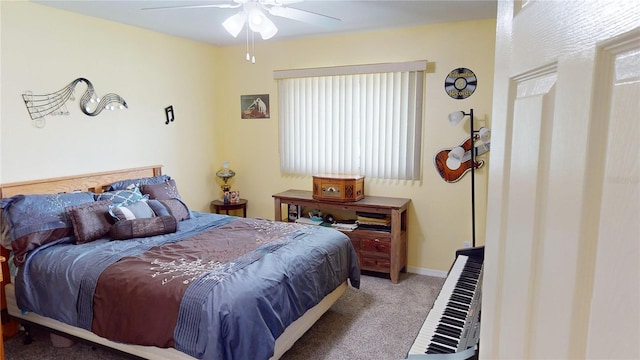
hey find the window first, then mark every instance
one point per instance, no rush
(364, 120)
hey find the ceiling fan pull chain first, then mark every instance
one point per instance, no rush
(253, 47)
(248, 57)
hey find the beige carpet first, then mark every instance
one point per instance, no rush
(378, 321)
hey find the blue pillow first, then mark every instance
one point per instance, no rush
(34, 220)
(122, 197)
(131, 183)
(137, 210)
(158, 208)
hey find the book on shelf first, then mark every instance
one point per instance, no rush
(344, 227)
(374, 220)
(307, 221)
(375, 227)
(337, 225)
(371, 215)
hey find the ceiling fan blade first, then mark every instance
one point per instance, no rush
(279, 2)
(220, 6)
(303, 15)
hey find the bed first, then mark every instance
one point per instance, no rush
(118, 259)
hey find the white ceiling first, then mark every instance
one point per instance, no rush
(205, 24)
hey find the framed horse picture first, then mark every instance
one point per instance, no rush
(255, 106)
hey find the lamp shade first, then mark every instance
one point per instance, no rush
(269, 30)
(235, 23)
(225, 174)
(256, 18)
(258, 22)
(455, 117)
(484, 134)
(454, 160)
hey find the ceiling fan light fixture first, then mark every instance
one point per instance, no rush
(256, 17)
(269, 29)
(235, 23)
(260, 23)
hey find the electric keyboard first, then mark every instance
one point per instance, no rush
(452, 327)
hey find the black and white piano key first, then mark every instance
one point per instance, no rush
(444, 326)
(435, 316)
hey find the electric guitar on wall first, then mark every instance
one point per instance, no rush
(449, 174)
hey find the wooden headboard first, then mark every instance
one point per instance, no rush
(95, 182)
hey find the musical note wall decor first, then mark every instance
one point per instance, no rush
(168, 111)
(54, 103)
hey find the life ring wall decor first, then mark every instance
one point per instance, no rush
(460, 83)
(54, 103)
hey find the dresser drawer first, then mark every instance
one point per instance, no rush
(374, 250)
(378, 247)
(375, 254)
(375, 264)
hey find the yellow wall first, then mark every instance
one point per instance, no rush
(204, 84)
(44, 49)
(440, 214)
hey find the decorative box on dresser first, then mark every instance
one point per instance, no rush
(378, 251)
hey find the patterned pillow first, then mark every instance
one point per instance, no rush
(90, 220)
(131, 183)
(137, 210)
(163, 191)
(128, 229)
(174, 207)
(34, 220)
(122, 197)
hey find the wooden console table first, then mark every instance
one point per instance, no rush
(377, 250)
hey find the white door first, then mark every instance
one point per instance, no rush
(562, 249)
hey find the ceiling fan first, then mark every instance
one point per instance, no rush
(253, 13)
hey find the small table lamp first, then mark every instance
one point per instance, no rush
(225, 174)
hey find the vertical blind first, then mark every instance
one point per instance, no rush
(361, 123)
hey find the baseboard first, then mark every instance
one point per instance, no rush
(425, 271)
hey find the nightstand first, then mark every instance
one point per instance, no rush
(219, 205)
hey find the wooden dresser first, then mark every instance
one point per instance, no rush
(378, 251)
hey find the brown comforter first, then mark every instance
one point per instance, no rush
(137, 299)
